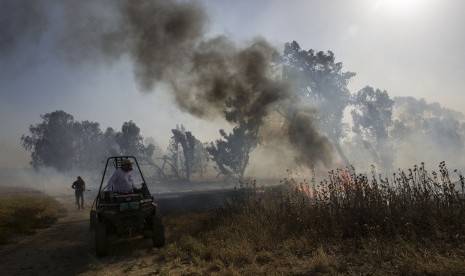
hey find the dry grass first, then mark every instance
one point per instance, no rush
(22, 211)
(351, 224)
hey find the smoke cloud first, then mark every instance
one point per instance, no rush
(21, 22)
(165, 40)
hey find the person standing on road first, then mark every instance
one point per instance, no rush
(79, 187)
(121, 180)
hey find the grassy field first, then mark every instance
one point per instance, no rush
(349, 224)
(412, 223)
(22, 211)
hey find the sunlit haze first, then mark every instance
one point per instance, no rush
(400, 6)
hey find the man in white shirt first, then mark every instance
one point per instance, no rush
(121, 180)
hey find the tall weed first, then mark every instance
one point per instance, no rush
(415, 204)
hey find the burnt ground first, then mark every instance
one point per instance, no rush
(67, 247)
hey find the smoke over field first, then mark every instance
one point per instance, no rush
(166, 43)
(168, 47)
(293, 113)
(47, 180)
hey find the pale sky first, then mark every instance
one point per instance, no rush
(406, 47)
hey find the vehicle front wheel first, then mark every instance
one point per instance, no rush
(93, 220)
(158, 232)
(101, 239)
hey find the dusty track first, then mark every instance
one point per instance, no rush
(59, 250)
(67, 247)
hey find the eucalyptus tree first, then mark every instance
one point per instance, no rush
(319, 81)
(372, 119)
(51, 142)
(231, 152)
(131, 142)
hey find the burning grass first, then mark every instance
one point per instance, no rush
(414, 205)
(350, 223)
(22, 211)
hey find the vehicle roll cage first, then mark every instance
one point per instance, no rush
(117, 164)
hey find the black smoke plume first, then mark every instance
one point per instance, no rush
(165, 40)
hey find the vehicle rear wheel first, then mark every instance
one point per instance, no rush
(93, 220)
(158, 232)
(101, 239)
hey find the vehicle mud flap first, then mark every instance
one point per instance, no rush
(93, 220)
(158, 232)
(101, 242)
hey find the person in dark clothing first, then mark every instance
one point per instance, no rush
(79, 187)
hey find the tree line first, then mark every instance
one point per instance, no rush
(380, 130)
(377, 129)
(62, 143)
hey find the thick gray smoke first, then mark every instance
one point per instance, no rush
(166, 43)
(21, 22)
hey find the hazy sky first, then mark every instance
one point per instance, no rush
(407, 47)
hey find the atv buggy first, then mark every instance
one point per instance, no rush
(125, 215)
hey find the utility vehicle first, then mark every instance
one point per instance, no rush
(125, 215)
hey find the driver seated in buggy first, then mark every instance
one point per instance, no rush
(121, 180)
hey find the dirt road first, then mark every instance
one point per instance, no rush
(59, 250)
(67, 248)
